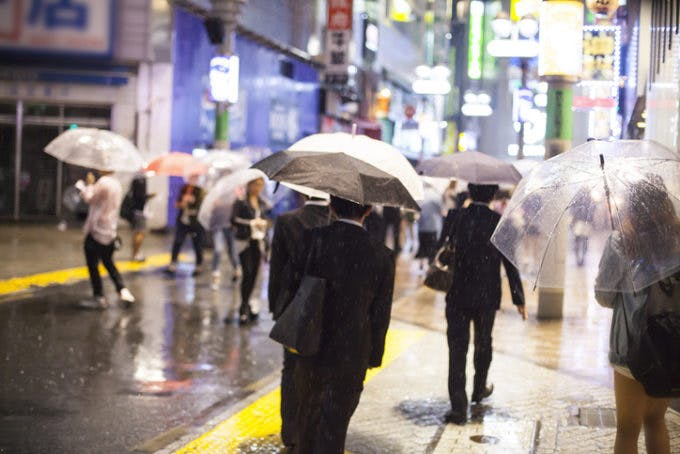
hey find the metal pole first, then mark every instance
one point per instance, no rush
(558, 139)
(17, 157)
(520, 135)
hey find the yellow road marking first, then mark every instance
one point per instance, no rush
(17, 284)
(262, 420)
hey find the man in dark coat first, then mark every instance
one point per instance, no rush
(359, 275)
(475, 296)
(287, 243)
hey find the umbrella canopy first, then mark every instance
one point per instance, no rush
(524, 166)
(177, 164)
(96, 149)
(226, 160)
(375, 152)
(616, 201)
(338, 174)
(216, 209)
(472, 166)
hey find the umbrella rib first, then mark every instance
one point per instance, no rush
(651, 183)
(618, 217)
(545, 251)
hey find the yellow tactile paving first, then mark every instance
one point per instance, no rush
(261, 419)
(69, 275)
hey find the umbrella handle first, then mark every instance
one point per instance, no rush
(606, 191)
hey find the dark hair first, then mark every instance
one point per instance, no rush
(482, 192)
(347, 209)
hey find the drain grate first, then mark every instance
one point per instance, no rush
(596, 417)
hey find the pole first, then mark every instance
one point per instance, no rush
(520, 134)
(558, 138)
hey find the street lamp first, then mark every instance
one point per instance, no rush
(559, 64)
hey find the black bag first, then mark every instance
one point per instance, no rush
(654, 339)
(298, 328)
(127, 210)
(439, 276)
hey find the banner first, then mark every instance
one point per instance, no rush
(338, 36)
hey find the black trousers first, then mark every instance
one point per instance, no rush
(458, 335)
(250, 264)
(94, 253)
(181, 232)
(289, 400)
(327, 399)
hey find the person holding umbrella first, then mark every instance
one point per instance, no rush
(250, 231)
(103, 197)
(649, 224)
(188, 202)
(475, 296)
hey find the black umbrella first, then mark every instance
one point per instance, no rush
(338, 174)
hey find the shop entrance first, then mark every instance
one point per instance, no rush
(32, 183)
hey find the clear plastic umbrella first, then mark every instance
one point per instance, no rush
(216, 209)
(615, 202)
(96, 149)
(375, 152)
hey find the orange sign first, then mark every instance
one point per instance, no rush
(339, 15)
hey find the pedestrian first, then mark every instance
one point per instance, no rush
(188, 202)
(223, 240)
(409, 218)
(139, 196)
(250, 231)
(449, 197)
(475, 296)
(582, 212)
(359, 274)
(287, 243)
(103, 198)
(646, 209)
(429, 226)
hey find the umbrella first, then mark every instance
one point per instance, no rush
(338, 174)
(223, 162)
(622, 197)
(524, 166)
(177, 164)
(375, 152)
(216, 208)
(96, 149)
(472, 166)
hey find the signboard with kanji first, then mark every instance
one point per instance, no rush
(80, 27)
(601, 53)
(338, 36)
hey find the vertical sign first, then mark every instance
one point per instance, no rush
(560, 39)
(475, 40)
(338, 35)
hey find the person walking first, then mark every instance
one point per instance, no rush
(250, 232)
(429, 226)
(103, 198)
(287, 244)
(188, 202)
(359, 274)
(647, 208)
(392, 218)
(475, 296)
(223, 240)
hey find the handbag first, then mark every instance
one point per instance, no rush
(298, 328)
(440, 276)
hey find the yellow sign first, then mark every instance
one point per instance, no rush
(560, 39)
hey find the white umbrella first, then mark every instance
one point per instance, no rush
(226, 160)
(215, 211)
(375, 152)
(96, 149)
(525, 166)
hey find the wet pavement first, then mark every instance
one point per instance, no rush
(169, 375)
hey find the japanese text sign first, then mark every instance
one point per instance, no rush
(338, 36)
(56, 26)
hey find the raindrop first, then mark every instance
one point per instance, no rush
(39, 338)
(62, 375)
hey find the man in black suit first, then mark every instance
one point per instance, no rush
(359, 275)
(475, 296)
(287, 243)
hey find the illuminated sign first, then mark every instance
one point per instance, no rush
(475, 39)
(224, 79)
(601, 54)
(338, 36)
(56, 26)
(560, 39)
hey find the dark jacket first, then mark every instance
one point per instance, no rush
(477, 263)
(243, 212)
(359, 277)
(286, 244)
(193, 207)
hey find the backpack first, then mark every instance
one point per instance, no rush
(654, 344)
(127, 210)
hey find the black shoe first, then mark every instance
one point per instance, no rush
(243, 319)
(478, 396)
(456, 417)
(254, 317)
